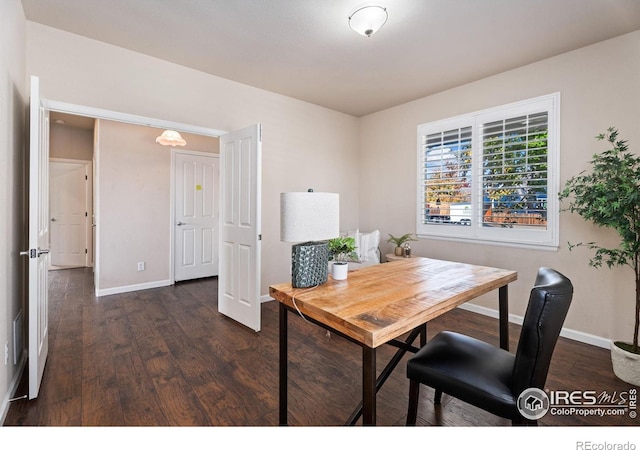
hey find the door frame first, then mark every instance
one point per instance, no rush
(88, 204)
(172, 199)
(97, 113)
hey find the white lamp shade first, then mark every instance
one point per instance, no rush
(368, 20)
(309, 216)
(170, 137)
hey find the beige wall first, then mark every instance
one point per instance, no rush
(600, 87)
(12, 185)
(303, 145)
(70, 143)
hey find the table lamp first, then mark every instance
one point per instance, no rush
(308, 218)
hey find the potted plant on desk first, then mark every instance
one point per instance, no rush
(399, 251)
(342, 250)
(609, 197)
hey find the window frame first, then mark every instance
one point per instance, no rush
(547, 239)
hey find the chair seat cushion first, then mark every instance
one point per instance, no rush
(469, 369)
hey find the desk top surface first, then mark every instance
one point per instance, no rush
(379, 303)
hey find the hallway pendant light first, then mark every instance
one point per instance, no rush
(368, 19)
(170, 137)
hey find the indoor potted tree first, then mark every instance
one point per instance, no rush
(399, 251)
(341, 250)
(609, 196)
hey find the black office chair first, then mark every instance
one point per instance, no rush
(489, 377)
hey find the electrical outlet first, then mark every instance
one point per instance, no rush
(6, 353)
(140, 266)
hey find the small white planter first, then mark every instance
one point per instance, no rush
(339, 270)
(626, 365)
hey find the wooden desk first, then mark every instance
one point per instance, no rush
(379, 303)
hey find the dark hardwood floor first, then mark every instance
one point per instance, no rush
(166, 357)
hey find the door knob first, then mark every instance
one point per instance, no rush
(181, 223)
(53, 219)
(33, 253)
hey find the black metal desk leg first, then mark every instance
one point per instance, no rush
(503, 299)
(283, 364)
(368, 385)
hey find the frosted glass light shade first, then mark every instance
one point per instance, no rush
(309, 216)
(368, 20)
(170, 137)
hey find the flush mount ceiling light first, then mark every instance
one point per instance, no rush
(368, 19)
(170, 137)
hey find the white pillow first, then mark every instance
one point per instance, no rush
(368, 248)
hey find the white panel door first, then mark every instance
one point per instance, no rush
(38, 238)
(240, 185)
(196, 219)
(69, 215)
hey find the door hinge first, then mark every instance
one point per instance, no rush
(86, 214)
(86, 178)
(86, 251)
(259, 237)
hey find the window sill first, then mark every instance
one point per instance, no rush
(547, 247)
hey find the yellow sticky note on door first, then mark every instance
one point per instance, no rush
(198, 187)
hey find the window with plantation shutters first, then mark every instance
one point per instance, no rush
(491, 175)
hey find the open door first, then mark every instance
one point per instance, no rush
(240, 234)
(38, 238)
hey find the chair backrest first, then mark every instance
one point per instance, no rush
(548, 306)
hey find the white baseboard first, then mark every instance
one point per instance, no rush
(132, 288)
(565, 332)
(266, 298)
(6, 401)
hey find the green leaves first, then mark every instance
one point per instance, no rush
(400, 240)
(343, 248)
(609, 196)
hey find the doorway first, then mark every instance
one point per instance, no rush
(244, 145)
(70, 187)
(39, 217)
(77, 133)
(70, 190)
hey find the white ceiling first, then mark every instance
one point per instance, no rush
(305, 48)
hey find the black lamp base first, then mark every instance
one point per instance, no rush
(309, 264)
